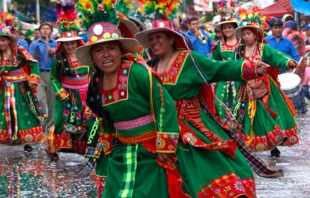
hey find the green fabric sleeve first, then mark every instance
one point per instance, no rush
(34, 67)
(216, 54)
(55, 76)
(274, 57)
(215, 71)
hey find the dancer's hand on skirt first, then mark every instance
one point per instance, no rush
(261, 68)
(163, 157)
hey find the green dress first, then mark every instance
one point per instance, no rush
(268, 119)
(140, 132)
(20, 111)
(225, 91)
(220, 170)
(130, 136)
(70, 80)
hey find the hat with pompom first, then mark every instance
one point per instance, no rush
(102, 21)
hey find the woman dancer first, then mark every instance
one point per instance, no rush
(70, 80)
(20, 112)
(185, 84)
(139, 127)
(266, 114)
(224, 50)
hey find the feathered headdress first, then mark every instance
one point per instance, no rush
(227, 11)
(163, 11)
(68, 21)
(137, 15)
(7, 27)
(123, 8)
(95, 11)
(127, 27)
(226, 7)
(253, 18)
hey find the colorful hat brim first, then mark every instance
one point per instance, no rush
(12, 37)
(84, 56)
(238, 30)
(142, 25)
(218, 26)
(69, 39)
(143, 37)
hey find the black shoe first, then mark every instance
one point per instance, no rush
(28, 148)
(275, 152)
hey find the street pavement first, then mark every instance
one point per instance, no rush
(295, 162)
(32, 175)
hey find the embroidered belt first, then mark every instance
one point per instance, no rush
(15, 76)
(137, 130)
(76, 82)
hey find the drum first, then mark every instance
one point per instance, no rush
(290, 84)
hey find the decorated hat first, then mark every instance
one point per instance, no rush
(252, 19)
(287, 17)
(102, 22)
(164, 13)
(7, 27)
(226, 20)
(68, 22)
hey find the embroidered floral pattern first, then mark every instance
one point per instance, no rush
(229, 185)
(162, 109)
(120, 92)
(226, 47)
(172, 75)
(166, 142)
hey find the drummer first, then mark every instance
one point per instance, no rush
(279, 42)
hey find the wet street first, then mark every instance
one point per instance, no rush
(295, 161)
(33, 176)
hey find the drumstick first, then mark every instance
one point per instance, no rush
(299, 62)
